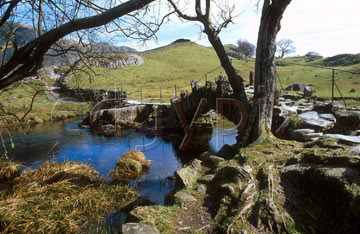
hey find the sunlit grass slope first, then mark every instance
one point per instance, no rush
(320, 78)
(163, 68)
(180, 63)
(16, 100)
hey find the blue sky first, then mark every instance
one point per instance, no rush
(328, 27)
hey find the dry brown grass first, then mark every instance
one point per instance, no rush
(60, 198)
(131, 165)
(138, 156)
(9, 170)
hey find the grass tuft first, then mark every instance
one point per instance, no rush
(131, 165)
(9, 170)
(60, 198)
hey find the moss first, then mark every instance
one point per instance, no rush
(162, 217)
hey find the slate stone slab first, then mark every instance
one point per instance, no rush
(349, 139)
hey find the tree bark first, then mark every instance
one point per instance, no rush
(236, 81)
(28, 59)
(260, 117)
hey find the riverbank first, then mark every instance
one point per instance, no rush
(274, 187)
(60, 198)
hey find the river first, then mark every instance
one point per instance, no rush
(65, 141)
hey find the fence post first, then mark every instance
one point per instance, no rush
(333, 86)
(141, 98)
(160, 96)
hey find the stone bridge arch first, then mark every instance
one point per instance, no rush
(218, 96)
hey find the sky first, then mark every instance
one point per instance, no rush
(328, 27)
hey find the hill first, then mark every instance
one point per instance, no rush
(164, 67)
(297, 69)
(26, 33)
(342, 60)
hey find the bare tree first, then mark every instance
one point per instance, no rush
(212, 28)
(260, 117)
(245, 48)
(72, 19)
(285, 47)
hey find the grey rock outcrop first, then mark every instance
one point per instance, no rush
(117, 62)
(335, 188)
(314, 121)
(305, 134)
(345, 138)
(187, 175)
(297, 86)
(184, 196)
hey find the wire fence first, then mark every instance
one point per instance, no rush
(146, 94)
(332, 85)
(335, 84)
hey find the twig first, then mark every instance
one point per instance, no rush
(197, 230)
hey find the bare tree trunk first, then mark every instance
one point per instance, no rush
(212, 33)
(236, 81)
(260, 118)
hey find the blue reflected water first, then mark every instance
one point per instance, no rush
(82, 145)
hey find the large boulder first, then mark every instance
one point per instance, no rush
(187, 175)
(134, 60)
(184, 196)
(345, 139)
(347, 120)
(322, 107)
(334, 188)
(305, 134)
(313, 120)
(297, 86)
(227, 152)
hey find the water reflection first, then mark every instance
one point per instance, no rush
(101, 152)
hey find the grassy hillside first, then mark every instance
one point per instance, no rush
(163, 68)
(180, 63)
(320, 78)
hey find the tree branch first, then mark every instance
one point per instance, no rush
(180, 14)
(8, 11)
(27, 60)
(207, 10)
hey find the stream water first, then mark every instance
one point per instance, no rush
(83, 145)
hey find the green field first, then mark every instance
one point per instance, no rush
(163, 68)
(179, 64)
(320, 78)
(16, 100)
(176, 65)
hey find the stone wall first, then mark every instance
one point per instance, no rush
(89, 95)
(211, 92)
